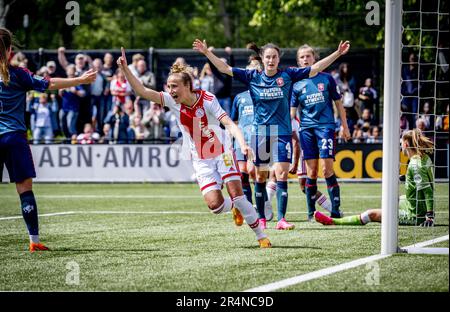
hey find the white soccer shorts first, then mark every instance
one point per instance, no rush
(212, 173)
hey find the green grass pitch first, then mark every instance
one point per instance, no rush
(161, 237)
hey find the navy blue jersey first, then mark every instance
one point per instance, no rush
(242, 112)
(270, 96)
(314, 99)
(13, 98)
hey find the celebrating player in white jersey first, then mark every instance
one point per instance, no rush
(199, 116)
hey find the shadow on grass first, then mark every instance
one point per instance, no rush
(286, 247)
(103, 249)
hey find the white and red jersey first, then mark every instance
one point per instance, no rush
(200, 124)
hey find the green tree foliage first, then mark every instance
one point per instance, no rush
(175, 23)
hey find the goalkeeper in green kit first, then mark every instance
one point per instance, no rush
(416, 207)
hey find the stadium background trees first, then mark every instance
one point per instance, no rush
(174, 23)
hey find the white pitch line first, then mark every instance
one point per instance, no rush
(331, 270)
(144, 212)
(114, 196)
(153, 212)
(429, 242)
(41, 215)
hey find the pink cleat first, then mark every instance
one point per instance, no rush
(262, 224)
(284, 225)
(321, 218)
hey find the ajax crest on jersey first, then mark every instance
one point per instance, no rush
(320, 86)
(199, 112)
(280, 81)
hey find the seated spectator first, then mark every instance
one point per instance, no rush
(140, 132)
(365, 131)
(130, 110)
(106, 137)
(357, 136)
(366, 116)
(153, 121)
(88, 136)
(42, 114)
(375, 136)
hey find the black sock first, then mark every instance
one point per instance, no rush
(29, 212)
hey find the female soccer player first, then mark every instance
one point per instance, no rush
(315, 98)
(14, 150)
(269, 90)
(199, 116)
(416, 207)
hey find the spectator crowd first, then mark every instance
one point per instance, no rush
(108, 111)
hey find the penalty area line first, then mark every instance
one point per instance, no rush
(331, 270)
(41, 215)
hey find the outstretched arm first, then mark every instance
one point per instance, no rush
(324, 63)
(202, 47)
(62, 83)
(135, 83)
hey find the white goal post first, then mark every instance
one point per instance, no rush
(391, 125)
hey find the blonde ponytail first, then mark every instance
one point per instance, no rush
(418, 142)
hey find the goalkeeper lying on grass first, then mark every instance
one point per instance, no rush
(416, 207)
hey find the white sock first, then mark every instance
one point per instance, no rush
(271, 189)
(225, 207)
(249, 214)
(325, 203)
(34, 239)
(365, 218)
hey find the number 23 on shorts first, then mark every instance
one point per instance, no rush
(328, 146)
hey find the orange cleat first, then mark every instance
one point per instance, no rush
(37, 247)
(237, 216)
(264, 243)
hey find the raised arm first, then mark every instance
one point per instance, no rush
(135, 83)
(327, 61)
(62, 58)
(62, 83)
(202, 47)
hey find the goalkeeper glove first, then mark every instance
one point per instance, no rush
(429, 219)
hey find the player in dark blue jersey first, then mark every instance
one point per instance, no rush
(15, 153)
(314, 98)
(270, 90)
